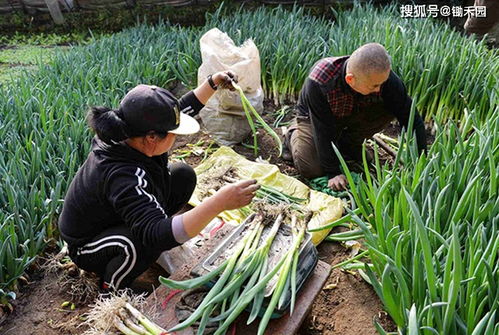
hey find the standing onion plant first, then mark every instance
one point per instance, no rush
(431, 228)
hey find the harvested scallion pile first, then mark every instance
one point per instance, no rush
(243, 277)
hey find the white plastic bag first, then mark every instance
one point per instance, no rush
(223, 116)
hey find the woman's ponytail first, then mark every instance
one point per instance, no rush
(107, 124)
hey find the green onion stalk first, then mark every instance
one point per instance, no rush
(287, 274)
(346, 236)
(340, 222)
(280, 115)
(130, 321)
(250, 113)
(349, 235)
(392, 142)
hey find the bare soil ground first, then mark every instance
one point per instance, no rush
(347, 305)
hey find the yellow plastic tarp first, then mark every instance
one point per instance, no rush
(325, 208)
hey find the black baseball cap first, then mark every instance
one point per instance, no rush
(148, 108)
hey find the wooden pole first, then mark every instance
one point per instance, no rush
(55, 11)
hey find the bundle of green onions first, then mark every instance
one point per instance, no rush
(271, 194)
(243, 278)
(132, 322)
(346, 222)
(274, 196)
(116, 314)
(250, 113)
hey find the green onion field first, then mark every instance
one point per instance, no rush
(430, 224)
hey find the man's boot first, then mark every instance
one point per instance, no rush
(286, 146)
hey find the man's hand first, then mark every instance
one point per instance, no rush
(338, 183)
(224, 79)
(236, 195)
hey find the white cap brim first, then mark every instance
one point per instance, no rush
(188, 125)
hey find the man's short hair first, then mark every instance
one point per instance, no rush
(369, 58)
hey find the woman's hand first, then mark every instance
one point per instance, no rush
(236, 195)
(224, 79)
(230, 196)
